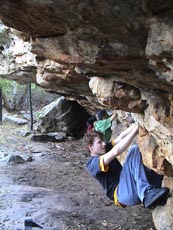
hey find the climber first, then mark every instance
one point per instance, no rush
(127, 185)
(90, 123)
(104, 123)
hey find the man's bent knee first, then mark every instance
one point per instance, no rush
(134, 151)
(133, 148)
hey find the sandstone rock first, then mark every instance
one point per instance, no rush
(62, 116)
(14, 119)
(102, 54)
(162, 216)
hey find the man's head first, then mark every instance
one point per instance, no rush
(95, 143)
(91, 120)
(101, 114)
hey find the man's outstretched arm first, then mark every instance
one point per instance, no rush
(114, 115)
(122, 145)
(124, 133)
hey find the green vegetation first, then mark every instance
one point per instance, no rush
(4, 83)
(15, 97)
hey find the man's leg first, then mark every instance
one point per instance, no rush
(154, 178)
(124, 133)
(133, 180)
(134, 187)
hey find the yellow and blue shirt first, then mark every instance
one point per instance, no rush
(107, 176)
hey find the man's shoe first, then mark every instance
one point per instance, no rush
(155, 196)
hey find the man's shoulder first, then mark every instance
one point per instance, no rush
(102, 124)
(92, 160)
(103, 121)
(93, 165)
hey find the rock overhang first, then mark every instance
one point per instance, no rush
(104, 54)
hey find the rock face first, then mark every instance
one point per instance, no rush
(111, 54)
(103, 54)
(62, 115)
(162, 216)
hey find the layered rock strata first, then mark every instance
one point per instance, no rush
(103, 54)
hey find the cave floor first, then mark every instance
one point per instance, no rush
(54, 189)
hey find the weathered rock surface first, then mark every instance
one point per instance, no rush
(112, 54)
(62, 116)
(14, 119)
(103, 54)
(162, 216)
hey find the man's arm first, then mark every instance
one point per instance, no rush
(121, 146)
(124, 133)
(113, 116)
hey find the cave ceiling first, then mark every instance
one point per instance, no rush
(125, 43)
(103, 54)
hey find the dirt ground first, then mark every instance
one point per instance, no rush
(55, 190)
